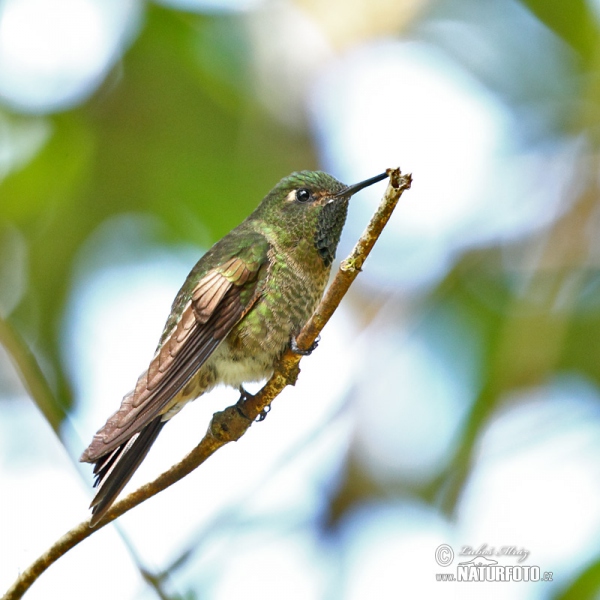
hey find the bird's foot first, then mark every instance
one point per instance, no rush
(244, 397)
(296, 350)
(262, 415)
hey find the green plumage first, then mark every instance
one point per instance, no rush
(232, 319)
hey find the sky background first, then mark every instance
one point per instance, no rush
(454, 398)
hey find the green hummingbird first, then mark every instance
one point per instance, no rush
(240, 307)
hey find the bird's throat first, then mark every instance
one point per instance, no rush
(329, 229)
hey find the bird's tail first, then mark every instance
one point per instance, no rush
(115, 469)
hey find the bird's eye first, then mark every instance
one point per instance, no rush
(303, 195)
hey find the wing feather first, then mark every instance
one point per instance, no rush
(216, 304)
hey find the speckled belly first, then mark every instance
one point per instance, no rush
(250, 350)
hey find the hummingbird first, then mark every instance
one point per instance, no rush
(238, 310)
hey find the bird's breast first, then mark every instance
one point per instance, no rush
(289, 298)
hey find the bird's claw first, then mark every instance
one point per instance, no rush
(296, 350)
(262, 415)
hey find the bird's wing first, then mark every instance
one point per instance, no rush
(212, 308)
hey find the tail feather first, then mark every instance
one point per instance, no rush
(115, 469)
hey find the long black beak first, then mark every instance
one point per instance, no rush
(352, 189)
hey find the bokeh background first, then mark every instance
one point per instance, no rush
(454, 398)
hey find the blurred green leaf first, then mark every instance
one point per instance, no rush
(585, 587)
(573, 21)
(52, 177)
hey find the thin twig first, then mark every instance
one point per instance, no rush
(31, 375)
(230, 424)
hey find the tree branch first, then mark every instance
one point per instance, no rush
(231, 424)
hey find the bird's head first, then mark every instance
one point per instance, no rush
(310, 205)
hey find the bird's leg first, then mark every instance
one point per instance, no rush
(296, 350)
(244, 396)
